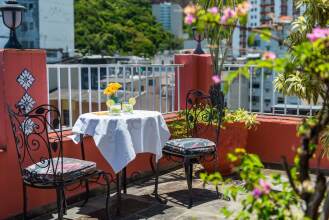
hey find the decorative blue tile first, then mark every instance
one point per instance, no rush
(25, 79)
(28, 126)
(26, 102)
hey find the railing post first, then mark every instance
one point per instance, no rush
(195, 74)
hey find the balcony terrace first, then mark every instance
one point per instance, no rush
(77, 89)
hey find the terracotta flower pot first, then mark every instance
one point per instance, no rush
(234, 135)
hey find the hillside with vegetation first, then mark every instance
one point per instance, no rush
(119, 27)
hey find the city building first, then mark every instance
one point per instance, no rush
(263, 14)
(48, 25)
(170, 15)
(4, 31)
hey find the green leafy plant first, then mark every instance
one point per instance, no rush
(265, 197)
(242, 116)
(178, 127)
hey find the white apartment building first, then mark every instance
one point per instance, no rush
(47, 24)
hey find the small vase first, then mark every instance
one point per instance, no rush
(115, 109)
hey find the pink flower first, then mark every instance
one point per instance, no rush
(266, 187)
(216, 79)
(189, 19)
(242, 9)
(256, 193)
(268, 56)
(318, 33)
(228, 13)
(213, 10)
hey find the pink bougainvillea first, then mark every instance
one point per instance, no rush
(318, 33)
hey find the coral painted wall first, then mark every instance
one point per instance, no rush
(22, 78)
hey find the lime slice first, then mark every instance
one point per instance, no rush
(132, 101)
(110, 102)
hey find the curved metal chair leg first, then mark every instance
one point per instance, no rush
(107, 180)
(24, 202)
(59, 203)
(64, 202)
(187, 166)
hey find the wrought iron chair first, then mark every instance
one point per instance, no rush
(202, 113)
(38, 138)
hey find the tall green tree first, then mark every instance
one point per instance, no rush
(120, 27)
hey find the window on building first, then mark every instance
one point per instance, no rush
(25, 44)
(24, 27)
(52, 54)
(31, 26)
(255, 99)
(280, 100)
(255, 85)
(31, 6)
(31, 44)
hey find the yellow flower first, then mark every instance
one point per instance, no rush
(108, 91)
(112, 88)
(240, 150)
(116, 85)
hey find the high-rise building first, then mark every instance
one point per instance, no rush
(170, 15)
(47, 24)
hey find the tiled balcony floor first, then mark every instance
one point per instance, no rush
(140, 204)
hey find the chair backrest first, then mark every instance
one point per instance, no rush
(204, 114)
(34, 146)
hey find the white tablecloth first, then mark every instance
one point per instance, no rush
(120, 137)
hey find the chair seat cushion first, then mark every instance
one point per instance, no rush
(190, 146)
(72, 168)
